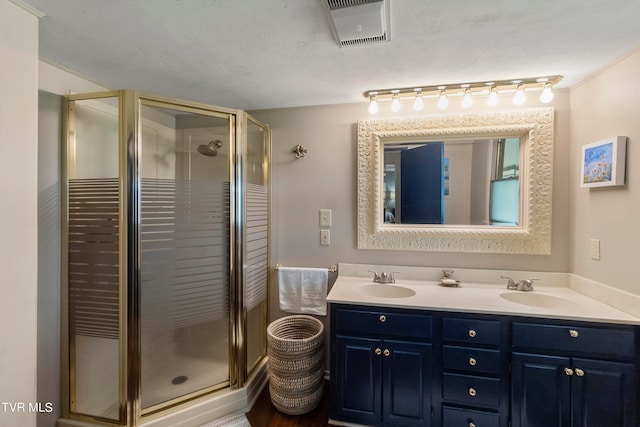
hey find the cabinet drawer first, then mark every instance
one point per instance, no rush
(471, 390)
(381, 322)
(471, 331)
(456, 417)
(472, 360)
(575, 339)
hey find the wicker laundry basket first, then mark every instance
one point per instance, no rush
(296, 363)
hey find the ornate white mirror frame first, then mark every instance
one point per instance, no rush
(532, 236)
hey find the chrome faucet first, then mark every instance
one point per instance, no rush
(383, 277)
(522, 285)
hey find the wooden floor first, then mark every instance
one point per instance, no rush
(264, 414)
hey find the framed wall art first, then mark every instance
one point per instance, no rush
(603, 163)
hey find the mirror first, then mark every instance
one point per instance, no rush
(474, 182)
(451, 181)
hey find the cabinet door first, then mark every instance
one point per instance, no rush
(603, 394)
(407, 370)
(541, 393)
(358, 380)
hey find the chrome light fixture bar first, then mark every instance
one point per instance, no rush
(442, 94)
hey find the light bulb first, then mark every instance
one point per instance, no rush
(443, 102)
(395, 104)
(373, 105)
(492, 100)
(546, 96)
(519, 97)
(418, 104)
(467, 100)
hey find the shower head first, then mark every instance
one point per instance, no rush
(210, 149)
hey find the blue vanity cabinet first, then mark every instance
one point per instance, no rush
(475, 383)
(381, 366)
(574, 375)
(541, 391)
(403, 367)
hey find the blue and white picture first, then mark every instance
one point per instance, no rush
(597, 163)
(603, 163)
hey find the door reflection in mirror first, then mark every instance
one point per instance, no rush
(453, 182)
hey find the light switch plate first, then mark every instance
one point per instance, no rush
(325, 217)
(595, 249)
(325, 237)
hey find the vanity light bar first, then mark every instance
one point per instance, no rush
(442, 93)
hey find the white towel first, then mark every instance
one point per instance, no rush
(303, 290)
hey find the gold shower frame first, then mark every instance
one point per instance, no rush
(130, 411)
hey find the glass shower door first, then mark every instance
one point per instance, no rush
(185, 238)
(256, 234)
(93, 257)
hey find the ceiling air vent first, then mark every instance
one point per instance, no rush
(360, 22)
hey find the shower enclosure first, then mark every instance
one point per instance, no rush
(165, 249)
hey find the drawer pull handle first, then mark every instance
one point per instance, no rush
(472, 424)
(383, 318)
(377, 351)
(573, 333)
(579, 372)
(472, 333)
(472, 391)
(386, 352)
(472, 361)
(568, 371)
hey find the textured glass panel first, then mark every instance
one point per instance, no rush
(96, 139)
(93, 258)
(185, 254)
(256, 242)
(257, 229)
(185, 257)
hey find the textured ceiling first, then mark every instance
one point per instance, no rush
(258, 54)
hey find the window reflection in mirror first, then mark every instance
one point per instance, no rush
(453, 182)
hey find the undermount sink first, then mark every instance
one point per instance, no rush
(387, 291)
(535, 299)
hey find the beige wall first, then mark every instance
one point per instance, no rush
(18, 215)
(49, 223)
(326, 178)
(607, 105)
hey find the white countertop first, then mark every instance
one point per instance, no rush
(555, 299)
